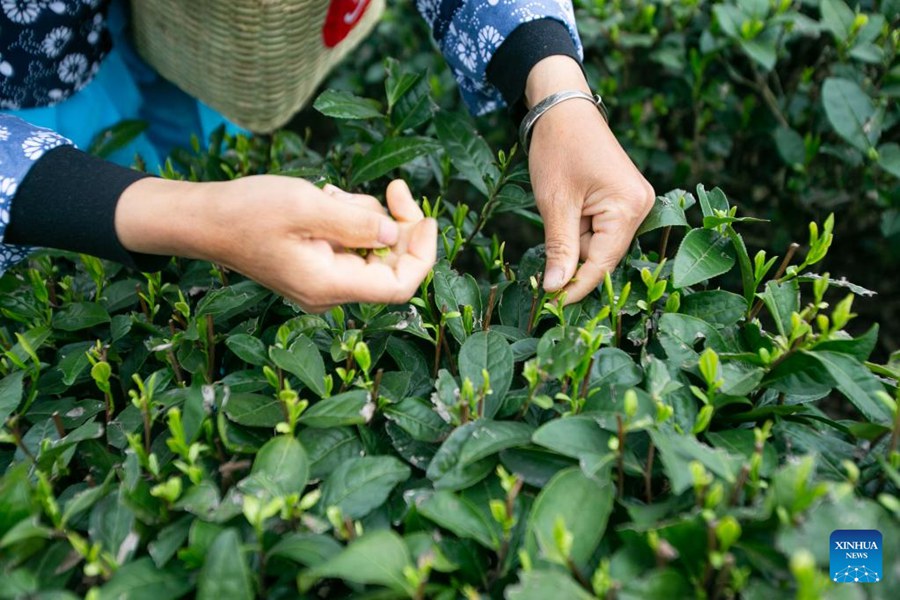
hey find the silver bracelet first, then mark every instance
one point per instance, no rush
(549, 102)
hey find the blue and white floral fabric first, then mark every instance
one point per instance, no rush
(21, 144)
(50, 49)
(468, 32)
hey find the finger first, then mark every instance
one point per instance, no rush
(400, 201)
(605, 250)
(377, 282)
(361, 200)
(562, 236)
(348, 225)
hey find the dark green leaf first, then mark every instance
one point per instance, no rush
(703, 254)
(566, 497)
(348, 408)
(308, 549)
(856, 383)
(378, 557)
(850, 112)
(418, 419)
(667, 211)
(540, 585)
(718, 307)
(362, 484)
(339, 104)
(225, 572)
(782, 300)
(458, 514)
(387, 155)
(79, 315)
(470, 154)
(10, 394)
(254, 410)
(471, 443)
(141, 580)
(282, 460)
(328, 448)
(487, 350)
(248, 348)
(303, 360)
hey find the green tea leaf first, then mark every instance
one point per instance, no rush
(360, 485)
(566, 497)
(850, 111)
(458, 514)
(303, 360)
(419, 419)
(488, 350)
(343, 409)
(339, 104)
(80, 315)
(308, 549)
(540, 585)
(248, 348)
(718, 307)
(142, 580)
(856, 383)
(378, 557)
(282, 460)
(253, 410)
(782, 300)
(471, 443)
(468, 151)
(387, 155)
(10, 394)
(703, 254)
(225, 572)
(667, 211)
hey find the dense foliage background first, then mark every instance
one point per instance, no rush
(695, 428)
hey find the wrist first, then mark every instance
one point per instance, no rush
(553, 74)
(167, 217)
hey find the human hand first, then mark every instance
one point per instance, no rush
(285, 234)
(590, 194)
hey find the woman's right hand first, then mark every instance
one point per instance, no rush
(286, 234)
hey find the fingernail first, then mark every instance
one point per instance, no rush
(388, 232)
(554, 279)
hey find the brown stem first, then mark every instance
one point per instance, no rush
(438, 344)
(144, 309)
(620, 456)
(145, 413)
(210, 350)
(579, 576)
(722, 578)
(176, 368)
(664, 242)
(376, 384)
(648, 474)
(489, 312)
(446, 345)
(57, 422)
(739, 485)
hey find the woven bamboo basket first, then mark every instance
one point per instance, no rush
(255, 61)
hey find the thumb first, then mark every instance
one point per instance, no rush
(561, 235)
(349, 225)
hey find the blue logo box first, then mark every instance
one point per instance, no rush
(856, 556)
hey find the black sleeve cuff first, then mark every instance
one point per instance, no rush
(67, 200)
(526, 46)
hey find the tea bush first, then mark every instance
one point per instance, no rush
(695, 428)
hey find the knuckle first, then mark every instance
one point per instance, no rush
(557, 246)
